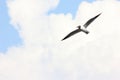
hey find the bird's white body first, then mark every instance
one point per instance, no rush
(82, 27)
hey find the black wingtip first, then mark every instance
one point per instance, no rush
(63, 39)
(99, 14)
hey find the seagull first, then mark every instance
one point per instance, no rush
(80, 29)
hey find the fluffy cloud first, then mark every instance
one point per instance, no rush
(43, 56)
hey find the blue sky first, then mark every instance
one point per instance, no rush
(68, 6)
(10, 37)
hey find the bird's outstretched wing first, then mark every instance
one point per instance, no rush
(91, 20)
(72, 33)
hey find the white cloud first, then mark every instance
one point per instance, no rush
(44, 57)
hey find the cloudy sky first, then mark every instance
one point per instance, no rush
(31, 46)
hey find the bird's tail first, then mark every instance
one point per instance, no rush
(85, 31)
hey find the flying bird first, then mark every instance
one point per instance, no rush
(80, 29)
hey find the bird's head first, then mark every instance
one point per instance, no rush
(79, 27)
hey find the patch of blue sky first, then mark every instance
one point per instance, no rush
(68, 6)
(8, 35)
